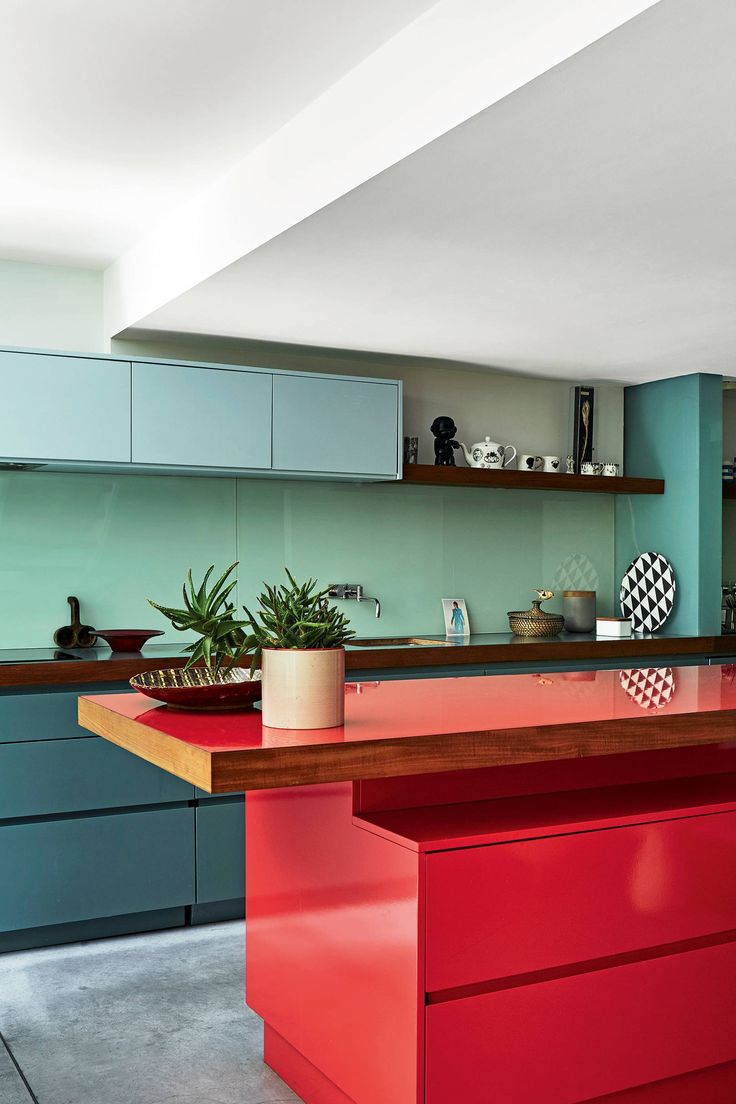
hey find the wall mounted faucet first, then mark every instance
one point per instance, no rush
(352, 591)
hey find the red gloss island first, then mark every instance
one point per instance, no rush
(514, 888)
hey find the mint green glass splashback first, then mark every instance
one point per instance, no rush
(412, 546)
(114, 540)
(111, 540)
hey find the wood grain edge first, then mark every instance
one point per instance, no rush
(192, 764)
(268, 768)
(513, 479)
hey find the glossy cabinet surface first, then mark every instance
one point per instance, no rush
(507, 910)
(575, 962)
(201, 417)
(64, 408)
(325, 425)
(78, 868)
(576, 1038)
(101, 413)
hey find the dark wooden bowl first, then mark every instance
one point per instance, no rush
(127, 640)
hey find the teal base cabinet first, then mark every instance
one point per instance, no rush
(95, 842)
(59, 871)
(220, 848)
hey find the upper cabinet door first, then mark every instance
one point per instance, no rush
(64, 408)
(338, 426)
(201, 417)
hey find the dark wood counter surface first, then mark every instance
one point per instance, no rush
(53, 667)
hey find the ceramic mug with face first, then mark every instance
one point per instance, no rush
(551, 463)
(531, 463)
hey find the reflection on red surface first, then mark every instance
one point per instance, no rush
(650, 687)
(402, 709)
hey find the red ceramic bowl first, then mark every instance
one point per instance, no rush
(127, 640)
(198, 689)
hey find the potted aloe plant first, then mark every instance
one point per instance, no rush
(299, 640)
(222, 641)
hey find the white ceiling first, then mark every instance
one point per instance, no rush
(112, 113)
(584, 226)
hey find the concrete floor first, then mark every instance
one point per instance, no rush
(143, 1019)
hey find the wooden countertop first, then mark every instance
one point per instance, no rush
(415, 727)
(46, 667)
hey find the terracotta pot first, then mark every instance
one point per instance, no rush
(303, 688)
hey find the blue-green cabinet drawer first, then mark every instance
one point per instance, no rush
(191, 417)
(45, 396)
(65, 776)
(81, 868)
(36, 716)
(338, 426)
(220, 851)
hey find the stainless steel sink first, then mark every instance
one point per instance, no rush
(400, 642)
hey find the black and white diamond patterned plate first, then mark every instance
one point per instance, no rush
(648, 592)
(650, 687)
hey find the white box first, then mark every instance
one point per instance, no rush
(619, 627)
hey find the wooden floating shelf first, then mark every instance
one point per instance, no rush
(531, 481)
(729, 489)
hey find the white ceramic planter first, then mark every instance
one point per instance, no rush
(303, 688)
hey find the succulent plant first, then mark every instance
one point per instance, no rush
(210, 614)
(295, 616)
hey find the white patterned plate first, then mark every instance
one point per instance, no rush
(648, 592)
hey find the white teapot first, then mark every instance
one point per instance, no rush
(489, 454)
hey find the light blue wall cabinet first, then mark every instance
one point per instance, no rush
(201, 417)
(336, 426)
(103, 414)
(64, 408)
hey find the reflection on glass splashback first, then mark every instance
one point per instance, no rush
(116, 540)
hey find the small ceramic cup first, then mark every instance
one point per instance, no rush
(589, 468)
(551, 463)
(609, 468)
(531, 463)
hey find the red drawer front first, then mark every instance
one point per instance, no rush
(494, 912)
(583, 1036)
(715, 1085)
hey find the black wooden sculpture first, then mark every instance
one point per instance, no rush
(444, 430)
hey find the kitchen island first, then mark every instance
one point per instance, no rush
(514, 889)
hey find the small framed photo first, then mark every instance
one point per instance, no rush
(456, 617)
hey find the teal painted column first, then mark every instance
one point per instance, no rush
(674, 430)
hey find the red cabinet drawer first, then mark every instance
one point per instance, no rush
(493, 912)
(583, 1036)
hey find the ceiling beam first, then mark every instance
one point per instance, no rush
(455, 60)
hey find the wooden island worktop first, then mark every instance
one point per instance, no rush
(515, 888)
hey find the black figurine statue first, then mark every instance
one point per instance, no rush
(444, 430)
